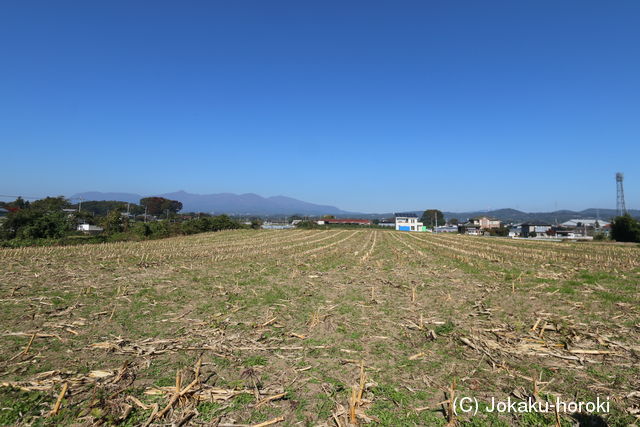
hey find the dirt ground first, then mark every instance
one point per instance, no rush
(318, 327)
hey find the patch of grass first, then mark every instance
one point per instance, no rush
(393, 407)
(20, 406)
(209, 410)
(445, 329)
(255, 361)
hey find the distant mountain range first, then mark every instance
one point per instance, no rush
(516, 216)
(239, 204)
(253, 204)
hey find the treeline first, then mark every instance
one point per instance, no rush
(55, 221)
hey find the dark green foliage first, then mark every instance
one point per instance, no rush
(18, 203)
(50, 204)
(42, 219)
(160, 205)
(501, 231)
(625, 228)
(307, 224)
(102, 208)
(429, 217)
(113, 222)
(44, 222)
(142, 229)
(222, 222)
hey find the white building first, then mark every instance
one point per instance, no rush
(88, 228)
(408, 222)
(595, 223)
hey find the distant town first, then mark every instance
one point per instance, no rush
(574, 229)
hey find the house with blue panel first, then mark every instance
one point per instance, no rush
(408, 222)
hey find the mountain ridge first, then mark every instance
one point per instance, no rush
(230, 203)
(254, 204)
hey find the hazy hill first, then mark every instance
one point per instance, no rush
(242, 204)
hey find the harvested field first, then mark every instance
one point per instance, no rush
(313, 327)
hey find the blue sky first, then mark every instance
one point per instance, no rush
(370, 106)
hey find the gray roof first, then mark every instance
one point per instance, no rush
(406, 215)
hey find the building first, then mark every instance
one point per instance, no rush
(591, 223)
(469, 228)
(446, 229)
(485, 223)
(344, 221)
(276, 226)
(408, 222)
(90, 229)
(534, 228)
(515, 230)
(390, 222)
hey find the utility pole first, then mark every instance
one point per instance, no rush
(435, 215)
(145, 214)
(80, 205)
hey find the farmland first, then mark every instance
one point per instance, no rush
(309, 327)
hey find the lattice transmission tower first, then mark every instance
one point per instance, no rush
(620, 206)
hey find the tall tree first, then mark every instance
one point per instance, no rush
(625, 228)
(159, 205)
(429, 218)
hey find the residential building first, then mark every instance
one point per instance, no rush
(539, 228)
(408, 222)
(485, 223)
(469, 228)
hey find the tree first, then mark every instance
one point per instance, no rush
(103, 207)
(51, 204)
(429, 217)
(502, 231)
(159, 205)
(625, 228)
(17, 204)
(113, 222)
(42, 219)
(454, 221)
(222, 222)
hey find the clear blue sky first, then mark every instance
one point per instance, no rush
(370, 106)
